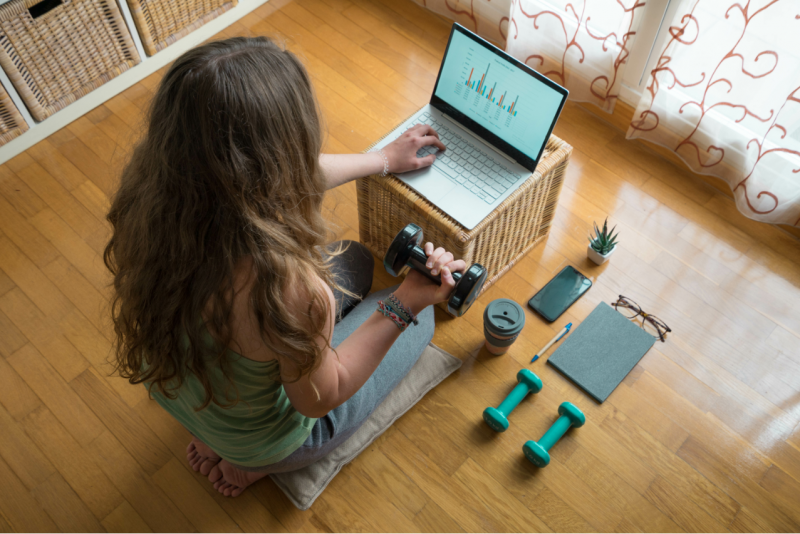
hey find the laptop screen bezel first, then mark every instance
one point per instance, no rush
(491, 138)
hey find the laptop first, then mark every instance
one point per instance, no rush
(494, 114)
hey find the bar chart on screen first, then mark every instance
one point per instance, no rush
(479, 89)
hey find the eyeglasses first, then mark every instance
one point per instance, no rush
(651, 324)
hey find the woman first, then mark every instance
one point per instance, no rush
(225, 297)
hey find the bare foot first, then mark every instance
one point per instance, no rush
(231, 481)
(201, 457)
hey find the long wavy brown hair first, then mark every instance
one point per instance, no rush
(227, 168)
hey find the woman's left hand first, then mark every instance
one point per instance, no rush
(402, 152)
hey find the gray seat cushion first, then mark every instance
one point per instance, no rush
(303, 486)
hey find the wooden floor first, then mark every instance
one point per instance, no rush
(702, 436)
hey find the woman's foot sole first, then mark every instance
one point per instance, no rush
(230, 480)
(201, 457)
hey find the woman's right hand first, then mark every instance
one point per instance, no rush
(418, 292)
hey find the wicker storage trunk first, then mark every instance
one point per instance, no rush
(162, 22)
(54, 53)
(11, 122)
(519, 223)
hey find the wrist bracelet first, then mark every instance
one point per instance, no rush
(385, 162)
(397, 311)
(405, 309)
(398, 321)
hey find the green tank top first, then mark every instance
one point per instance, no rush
(261, 429)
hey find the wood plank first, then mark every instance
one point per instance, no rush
(346, 490)
(28, 278)
(280, 507)
(6, 284)
(57, 165)
(433, 519)
(764, 511)
(98, 350)
(201, 510)
(19, 507)
(604, 481)
(18, 193)
(73, 248)
(88, 163)
(65, 507)
(15, 395)
(783, 487)
(469, 510)
(61, 201)
(20, 453)
(676, 476)
(19, 162)
(123, 422)
(11, 339)
(125, 519)
(73, 462)
(682, 509)
(84, 296)
(144, 495)
(382, 477)
(54, 392)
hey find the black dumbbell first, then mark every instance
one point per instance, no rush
(405, 251)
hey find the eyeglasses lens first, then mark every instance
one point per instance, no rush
(628, 308)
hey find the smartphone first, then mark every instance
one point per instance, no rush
(560, 293)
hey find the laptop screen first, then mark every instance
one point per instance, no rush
(500, 99)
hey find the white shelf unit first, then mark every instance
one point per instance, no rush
(40, 130)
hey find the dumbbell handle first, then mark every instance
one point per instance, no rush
(417, 259)
(555, 432)
(513, 399)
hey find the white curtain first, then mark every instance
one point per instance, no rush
(580, 44)
(487, 18)
(725, 96)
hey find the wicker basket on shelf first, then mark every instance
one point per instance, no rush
(519, 223)
(162, 22)
(55, 52)
(12, 124)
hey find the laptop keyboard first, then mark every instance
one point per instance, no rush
(467, 165)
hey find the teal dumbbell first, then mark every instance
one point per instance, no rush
(497, 418)
(570, 416)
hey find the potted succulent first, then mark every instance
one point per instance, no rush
(602, 244)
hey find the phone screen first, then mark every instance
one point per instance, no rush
(560, 293)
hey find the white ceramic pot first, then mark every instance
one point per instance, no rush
(596, 257)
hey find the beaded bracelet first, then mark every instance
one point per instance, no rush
(397, 311)
(410, 317)
(388, 312)
(385, 162)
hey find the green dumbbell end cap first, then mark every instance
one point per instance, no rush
(495, 419)
(573, 412)
(536, 454)
(531, 380)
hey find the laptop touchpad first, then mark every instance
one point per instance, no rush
(428, 182)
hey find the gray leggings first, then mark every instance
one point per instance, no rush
(330, 431)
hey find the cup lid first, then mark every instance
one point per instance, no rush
(504, 317)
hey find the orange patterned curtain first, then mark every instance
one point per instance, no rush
(725, 96)
(580, 44)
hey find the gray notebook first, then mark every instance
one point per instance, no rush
(601, 351)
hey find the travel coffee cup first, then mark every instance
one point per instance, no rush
(503, 320)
